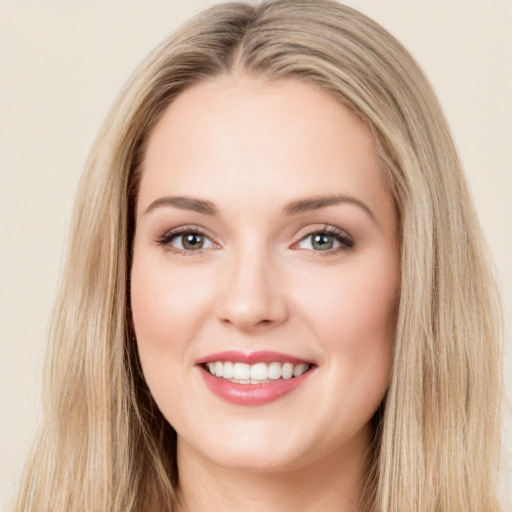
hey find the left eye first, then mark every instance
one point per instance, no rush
(324, 241)
(190, 241)
(319, 242)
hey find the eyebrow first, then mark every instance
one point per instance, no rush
(293, 208)
(184, 203)
(315, 203)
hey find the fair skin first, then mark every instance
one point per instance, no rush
(255, 264)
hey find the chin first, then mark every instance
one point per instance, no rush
(267, 446)
(248, 449)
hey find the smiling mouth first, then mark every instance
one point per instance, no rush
(258, 373)
(254, 378)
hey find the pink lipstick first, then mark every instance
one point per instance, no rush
(255, 378)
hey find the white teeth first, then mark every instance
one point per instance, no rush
(287, 370)
(299, 369)
(228, 370)
(259, 371)
(241, 371)
(256, 373)
(274, 371)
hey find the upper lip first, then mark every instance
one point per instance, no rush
(262, 356)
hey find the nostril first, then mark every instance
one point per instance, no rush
(251, 303)
(247, 323)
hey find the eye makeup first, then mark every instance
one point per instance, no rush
(193, 240)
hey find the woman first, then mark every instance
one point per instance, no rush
(276, 294)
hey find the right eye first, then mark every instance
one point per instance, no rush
(186, 241)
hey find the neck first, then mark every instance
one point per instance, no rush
(332, 482)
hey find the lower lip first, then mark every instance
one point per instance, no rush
(251, 394)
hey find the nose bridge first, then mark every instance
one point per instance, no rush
(251, 294)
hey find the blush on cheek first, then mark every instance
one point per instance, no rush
(356, 317)
(353, 310)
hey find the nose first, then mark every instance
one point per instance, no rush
(253, 295)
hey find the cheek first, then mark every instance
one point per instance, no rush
(164, 309)
(354, 316)
(166, 306)
(152, 305)
(166, 317)
(150, 301)
(355, 301)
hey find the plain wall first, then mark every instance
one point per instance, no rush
(63, 63)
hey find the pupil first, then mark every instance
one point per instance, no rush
(192, 241)
(322, 242)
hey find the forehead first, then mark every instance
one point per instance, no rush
(239, 135)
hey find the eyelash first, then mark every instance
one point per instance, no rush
(345, 240)
(166, 239)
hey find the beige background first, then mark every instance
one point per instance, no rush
(62, 64)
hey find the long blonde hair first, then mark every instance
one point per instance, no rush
(105, 446)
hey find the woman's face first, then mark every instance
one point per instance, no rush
(266, 249)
